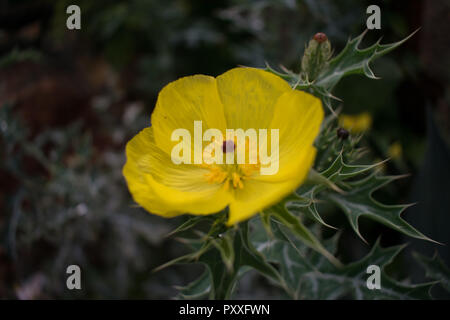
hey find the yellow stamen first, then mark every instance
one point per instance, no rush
(236, 179)
(231, 175)
(216, 175)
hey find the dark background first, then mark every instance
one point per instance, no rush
(70, 100)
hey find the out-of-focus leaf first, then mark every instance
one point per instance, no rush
(16, 56)
(435, 269)
(190, 257)
(197, 289)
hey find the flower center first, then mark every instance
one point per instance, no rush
(231, 175)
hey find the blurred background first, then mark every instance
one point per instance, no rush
(71, 99)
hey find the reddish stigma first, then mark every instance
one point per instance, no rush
(228, 146)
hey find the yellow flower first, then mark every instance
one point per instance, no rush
(240, 98)
(356, 123)
(395, 150)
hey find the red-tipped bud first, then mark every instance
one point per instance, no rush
(316, 56)
(320, 37)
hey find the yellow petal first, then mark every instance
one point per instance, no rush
(182, 102)
(259, 195)
(249, 97)
(166, 189)
(298, 116)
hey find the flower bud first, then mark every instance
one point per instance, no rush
(342, 133)
(316, 56)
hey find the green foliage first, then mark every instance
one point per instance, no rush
(78, 211)
(284, 216)
(16, 56)
(358, 202)
(300, 270)
(350, 187)
(231, 254)
(435, 269)
(356, 183)
(311, 276)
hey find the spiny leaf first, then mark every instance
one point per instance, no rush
(358, 202)
(306, 204)
(339, 170)
(352, 60)
(289, 76)
(189, 223)
(222, 281)
(294, 224)
(390, 289)
(251, 257)
(266, 222)
(326, 96)
(321, 179)
(190, 257)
